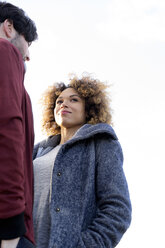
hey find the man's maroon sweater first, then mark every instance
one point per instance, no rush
(16, 145)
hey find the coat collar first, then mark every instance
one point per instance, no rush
(86, 131)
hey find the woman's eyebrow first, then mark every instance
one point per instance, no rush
(74, 95)
(60, 97)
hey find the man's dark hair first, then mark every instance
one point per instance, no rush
(21, 22)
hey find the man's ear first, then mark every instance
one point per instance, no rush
(8, 28)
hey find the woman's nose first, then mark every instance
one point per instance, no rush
(64, 104)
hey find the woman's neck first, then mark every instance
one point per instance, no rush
(67, 134)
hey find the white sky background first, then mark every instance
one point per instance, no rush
(121, 42)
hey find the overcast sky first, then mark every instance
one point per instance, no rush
(121, 42)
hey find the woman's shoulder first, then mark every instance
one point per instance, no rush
(100, 129)
(51, 141)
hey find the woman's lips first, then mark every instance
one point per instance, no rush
(63, 112)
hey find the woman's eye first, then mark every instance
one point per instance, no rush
(74, 100)
(59, 102)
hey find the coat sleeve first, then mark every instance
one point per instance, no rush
(12, 203)
(113, 215)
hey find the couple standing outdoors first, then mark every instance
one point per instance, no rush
(81, 197)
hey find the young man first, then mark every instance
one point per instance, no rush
(17, 32)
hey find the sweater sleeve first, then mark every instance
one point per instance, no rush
(12, 203)
(113, 215)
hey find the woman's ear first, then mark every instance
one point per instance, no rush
(8, 29)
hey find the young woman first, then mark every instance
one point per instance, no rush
(81, 195)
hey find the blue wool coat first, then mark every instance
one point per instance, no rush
(90, 205)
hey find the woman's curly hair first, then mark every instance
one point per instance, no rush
(93, 91)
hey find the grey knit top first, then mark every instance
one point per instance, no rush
(43, 167)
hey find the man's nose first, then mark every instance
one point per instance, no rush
(27, 56)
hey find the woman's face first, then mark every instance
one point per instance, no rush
(69, 109)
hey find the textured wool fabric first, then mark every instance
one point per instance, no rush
(90, 205)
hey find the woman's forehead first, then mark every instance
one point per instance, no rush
(68, 92)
